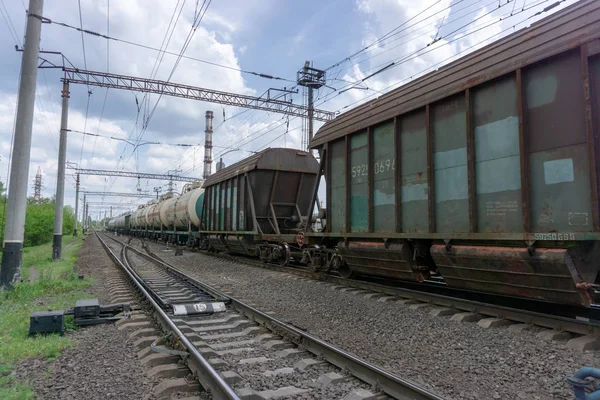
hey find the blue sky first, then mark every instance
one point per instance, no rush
(273, 37)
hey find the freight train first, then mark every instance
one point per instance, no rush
(483, 173)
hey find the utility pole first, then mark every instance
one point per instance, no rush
(76, 204)
(157, 189)
(83, 214)
(14, 230)
(110, 212)
(60, 178)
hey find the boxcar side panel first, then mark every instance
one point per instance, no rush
(559, 168)
(497, 162)
(234, 205)
(384, 187)
(359, 186)
(413, 167)
(450, 165)
(337, 185)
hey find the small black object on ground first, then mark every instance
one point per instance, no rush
(86, 312)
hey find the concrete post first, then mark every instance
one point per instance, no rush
(76, 205)
(83, 215)
(14, 230)
(60, 178)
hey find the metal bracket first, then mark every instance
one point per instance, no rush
(163, 340)
(448, 246)
(530, 247)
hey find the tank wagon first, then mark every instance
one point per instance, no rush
(258, 206)
(120, 224)
(484, 172)
(174, 219)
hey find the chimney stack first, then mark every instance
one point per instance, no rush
(208, 144)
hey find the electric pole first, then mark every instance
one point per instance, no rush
(60, 179)
(76, 204)
(83, 215)
(14, 229)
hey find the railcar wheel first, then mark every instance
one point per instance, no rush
(342, 268)
(284, 259)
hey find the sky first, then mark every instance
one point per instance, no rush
(350, 39)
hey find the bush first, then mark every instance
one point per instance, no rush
(39, 222)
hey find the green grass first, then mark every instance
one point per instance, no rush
(56, 287)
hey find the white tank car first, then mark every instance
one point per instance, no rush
(187, 208)
(154, 215)
(136, 220)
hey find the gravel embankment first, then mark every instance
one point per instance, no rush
(456, 360)
(102, 364)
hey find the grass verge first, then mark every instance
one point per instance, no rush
(54, 285)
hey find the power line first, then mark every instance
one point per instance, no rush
(197, 20)
(259, 74)
(420, 52)
(9, 23)
(128, 141)
(465, 50)
(389, 34)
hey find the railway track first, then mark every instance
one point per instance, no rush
(585, 330)
(240, 352)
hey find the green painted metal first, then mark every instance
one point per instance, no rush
(413, 168)
(359, 186)
(200, 204)
(337, 185)
(222, 206)
(448, 121)
(384, 185)
(497, 162)
(558, 159)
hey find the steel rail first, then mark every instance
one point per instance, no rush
(208, 377)
(581, 327)
(388, 383)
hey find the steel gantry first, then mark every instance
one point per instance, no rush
(131, 174)
(104, 79)
(117, 194)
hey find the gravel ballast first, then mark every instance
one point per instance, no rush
(456, 360)
(102, 363)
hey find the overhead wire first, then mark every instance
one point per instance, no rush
(107, 70)
(428, 48)
(466, 49)
(147, 47)
(9, 23)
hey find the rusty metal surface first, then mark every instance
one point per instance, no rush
(359, 187)
(414, 172)
(557, 141)
(548, 274)
(523, 149)
(269, 159)
(448, 123)
(497, 156)
(564, 30)
(336, 185)
(383, 189)
(591, 90)
(275, 207)
(374, 258)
